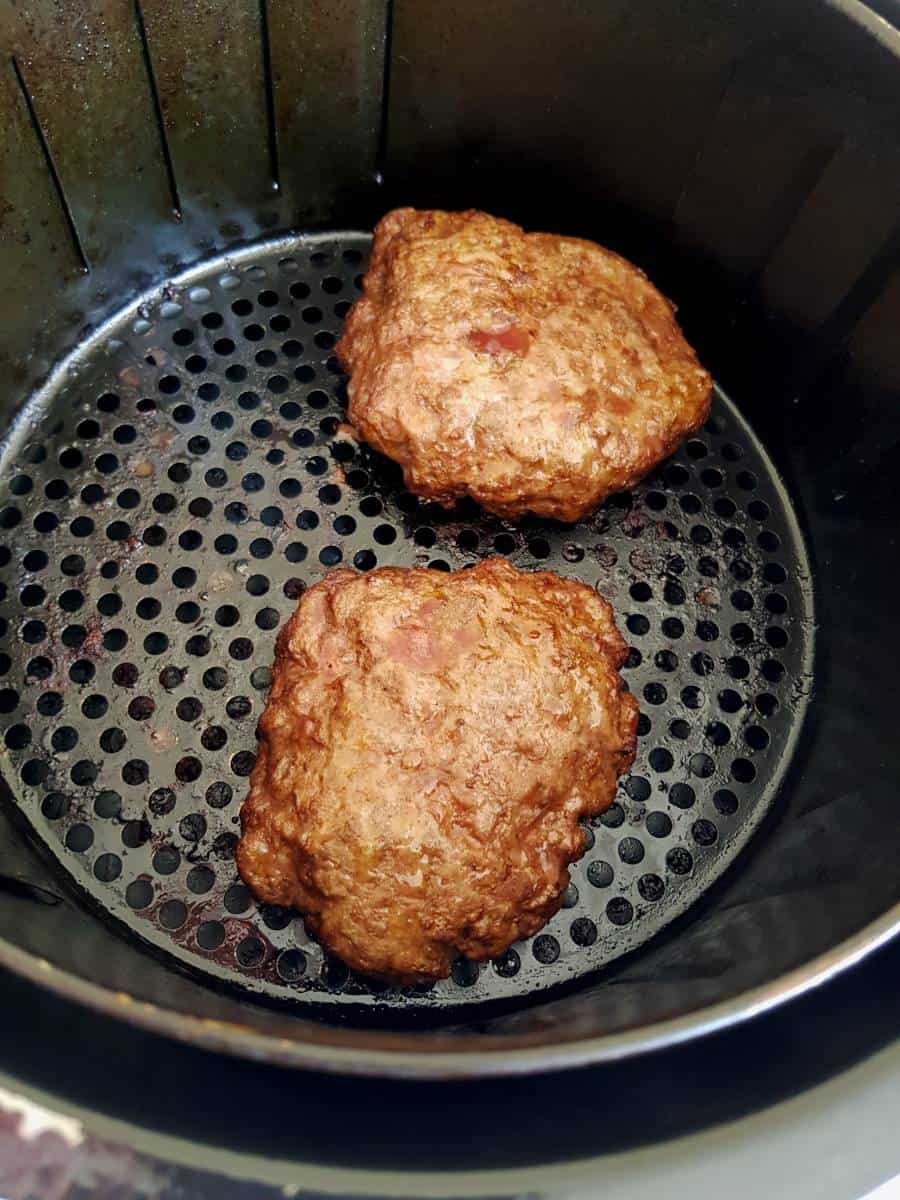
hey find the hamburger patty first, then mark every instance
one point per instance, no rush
(429, 745)
(533, 372)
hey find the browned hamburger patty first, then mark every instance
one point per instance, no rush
(534, 372)
(428, 747)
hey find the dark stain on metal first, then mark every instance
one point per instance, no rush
(382, 153)
(157, 110)
(269, 85)
(51, 166)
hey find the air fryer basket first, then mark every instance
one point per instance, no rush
(177, 187)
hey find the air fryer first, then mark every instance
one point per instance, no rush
(187, 198)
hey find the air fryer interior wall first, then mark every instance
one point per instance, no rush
(745, 156)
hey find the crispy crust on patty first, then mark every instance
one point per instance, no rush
(429, 745)
(533, 372)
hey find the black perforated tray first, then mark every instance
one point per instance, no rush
(179, 483)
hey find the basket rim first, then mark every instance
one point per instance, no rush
(395, 1055)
